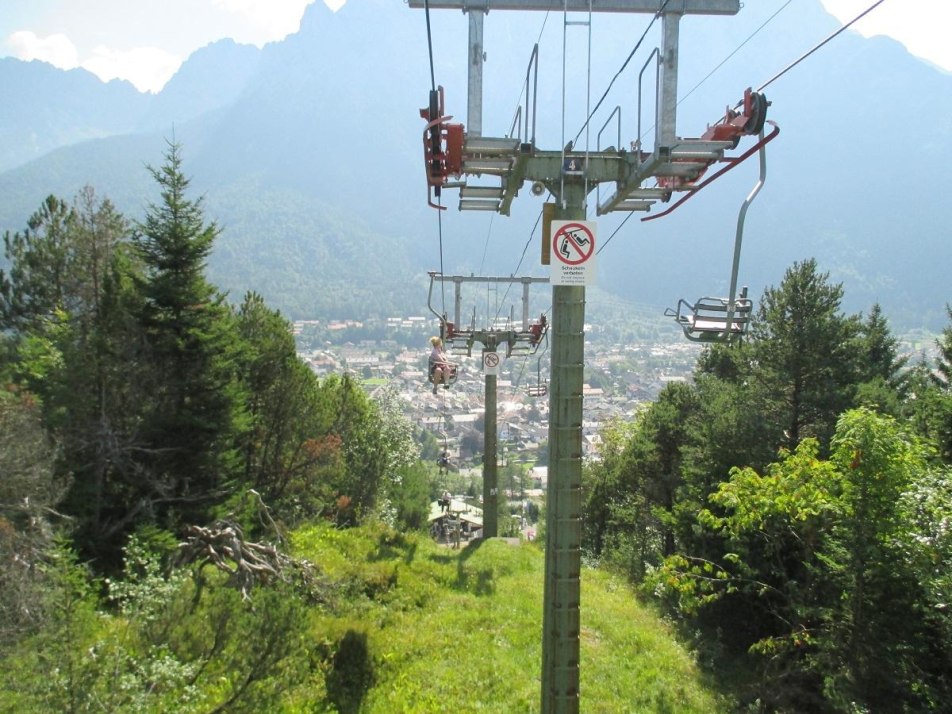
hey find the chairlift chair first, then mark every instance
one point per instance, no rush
(723, 319)
(540, 388)
(450, 379)
(527, 340)
(713, 319)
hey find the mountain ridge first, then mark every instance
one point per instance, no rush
(330, 117)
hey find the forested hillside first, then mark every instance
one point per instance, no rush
(192, 520)
(793, 504)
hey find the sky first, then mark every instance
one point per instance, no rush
(146, 41)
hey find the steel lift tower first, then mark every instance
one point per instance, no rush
(518, 337)
(457, 158)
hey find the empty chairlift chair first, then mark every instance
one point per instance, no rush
(713, 319)
(723, 319)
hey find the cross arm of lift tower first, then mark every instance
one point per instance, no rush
(676, 164)
(702, 7)
(519, 335)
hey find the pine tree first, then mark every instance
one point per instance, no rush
(191, 406)
(935, 403)
(41, 272)
(883, 382)
(804, 350)
(65, 304)
(944, 366)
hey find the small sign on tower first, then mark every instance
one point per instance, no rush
(573, 253)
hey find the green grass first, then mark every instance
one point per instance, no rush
(449, 630)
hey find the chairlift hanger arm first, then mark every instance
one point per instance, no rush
(713, 319)
(730, 164)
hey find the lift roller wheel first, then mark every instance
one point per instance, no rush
(756, 113)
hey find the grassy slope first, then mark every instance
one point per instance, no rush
(461, 629)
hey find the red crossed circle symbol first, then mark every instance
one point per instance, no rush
(573, 243)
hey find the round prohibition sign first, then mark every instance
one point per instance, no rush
(491, 359)
(573, 243)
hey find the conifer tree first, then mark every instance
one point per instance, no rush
(938, 404)
(944, 366)
(38, 280)
(883, 383)
(805, 355)
(65, 306)
(190, 409)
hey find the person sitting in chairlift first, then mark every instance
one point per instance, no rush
(440, 368)
(535, 331)
(444, 462)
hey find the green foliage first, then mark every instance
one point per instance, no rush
(168, 645)
(933, 391)
(70, 343)
(43, 267)
(629, 494)
(944, 367)
(819, 571)
(284, 447)
(829, 559)
(462, 626)
(167, 403)
(402, 625)
(30, 488)
(51, 670)
(867, 651)
(883, 383)
(411, 497)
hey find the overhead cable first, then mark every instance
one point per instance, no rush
(736, 50)
(429, 44)
(810, 52)
(622, 69)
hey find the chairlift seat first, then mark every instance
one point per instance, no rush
(453, 376)
(712, 319)
(537, 390)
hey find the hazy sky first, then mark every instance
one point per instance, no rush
(145, 41)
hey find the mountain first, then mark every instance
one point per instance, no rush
(308, 152)
(213, 77)
(45, 108)
(48, 108)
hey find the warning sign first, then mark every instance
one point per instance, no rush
(491, 362)
(573, 253)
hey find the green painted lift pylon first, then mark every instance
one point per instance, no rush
(518, 337)
(676, 162)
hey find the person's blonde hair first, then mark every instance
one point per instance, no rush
(435, 340)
